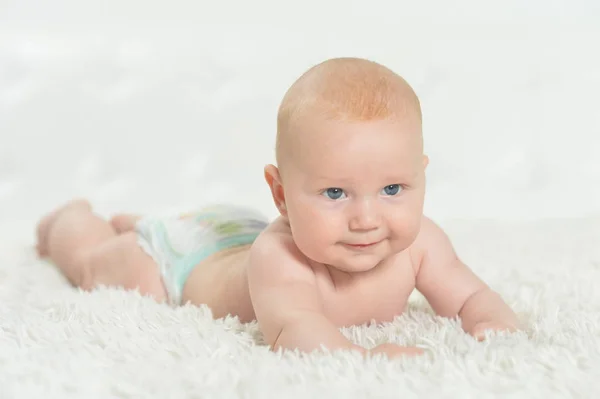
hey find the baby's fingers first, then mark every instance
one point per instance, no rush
(480, 329)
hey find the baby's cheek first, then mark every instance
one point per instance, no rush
(315, 224)
(320, 232)
(310, 226)
(320, 229)
(406, 226)
(313, 243)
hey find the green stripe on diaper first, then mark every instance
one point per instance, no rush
(185, 267)
(179, 244)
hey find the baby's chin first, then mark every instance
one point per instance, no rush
(360, 264)
(349, 261)
(353, 268)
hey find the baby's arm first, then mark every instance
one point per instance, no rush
(286, 301)
(287, 304)
(451, 288)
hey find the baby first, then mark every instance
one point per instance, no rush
(350, 245)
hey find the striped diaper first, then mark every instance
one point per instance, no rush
(178, 244)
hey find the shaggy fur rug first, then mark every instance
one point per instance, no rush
(57, 342)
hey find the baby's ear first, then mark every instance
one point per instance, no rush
(273, 179)
(425, 161)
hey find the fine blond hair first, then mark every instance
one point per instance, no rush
(345, 89)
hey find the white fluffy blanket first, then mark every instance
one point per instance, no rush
(56, 342)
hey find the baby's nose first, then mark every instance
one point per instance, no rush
(365, 217)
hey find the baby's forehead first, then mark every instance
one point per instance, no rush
(319, 134)
(350, 152)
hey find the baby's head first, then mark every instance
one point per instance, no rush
(350, 165)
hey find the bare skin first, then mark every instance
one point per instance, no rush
(221, 281)
(90, 254)
(91, 251)
(351, 242)
(88, 250)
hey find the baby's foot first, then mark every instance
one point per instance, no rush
(43, 227)
(124, 222)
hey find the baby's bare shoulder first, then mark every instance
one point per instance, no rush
(276, 237)
(431, 238)
(429, 232)
(276, 244)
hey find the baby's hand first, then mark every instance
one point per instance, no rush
(479, 329)
(394, 351)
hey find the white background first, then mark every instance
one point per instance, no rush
(155, 106)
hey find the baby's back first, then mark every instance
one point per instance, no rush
(221, 283)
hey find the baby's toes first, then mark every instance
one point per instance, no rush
(123, 223)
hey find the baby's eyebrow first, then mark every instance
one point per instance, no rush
(391, 178)
(409, 175)
(336, 179)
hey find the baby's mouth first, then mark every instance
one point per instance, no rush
(362, 245)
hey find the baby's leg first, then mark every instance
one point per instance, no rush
(89, 252)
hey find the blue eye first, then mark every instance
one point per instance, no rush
(392, 189)
(333, 193)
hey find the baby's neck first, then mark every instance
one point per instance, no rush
(341, 278)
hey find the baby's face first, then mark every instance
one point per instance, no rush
(354, 191)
